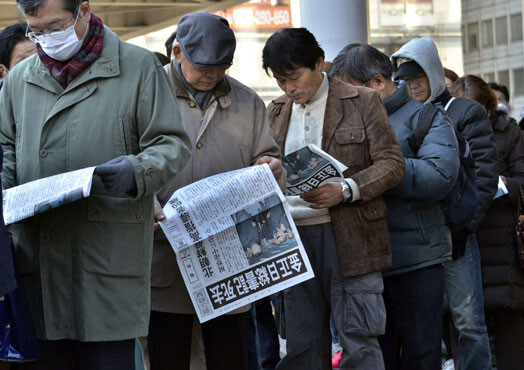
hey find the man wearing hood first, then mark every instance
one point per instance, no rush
(420, 239)
(418, 63)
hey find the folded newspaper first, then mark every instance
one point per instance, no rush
(310, 167)
(41, 195)
(235, 240)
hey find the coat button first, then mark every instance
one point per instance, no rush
(307, 128)
(192, 104)
(150, 172)
(43, 153)
(140, 159)
(199, 145)
(308, 113)
(139, 217)
(45, 238)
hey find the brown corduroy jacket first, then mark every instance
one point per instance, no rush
(357, 132)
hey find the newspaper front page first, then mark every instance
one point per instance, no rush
(41, 195)
(310, 167)
(235, 240)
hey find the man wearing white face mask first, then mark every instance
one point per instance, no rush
(89, 99)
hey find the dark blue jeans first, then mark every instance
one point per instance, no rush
(463, 287)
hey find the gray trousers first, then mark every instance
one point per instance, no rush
(355, 303)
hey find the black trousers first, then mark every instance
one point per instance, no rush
(262, 336)
(508, 330)
(76, 355)
(169, 341)
(414, 319)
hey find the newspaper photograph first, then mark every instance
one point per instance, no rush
(240, 243)
(310, 167)
(26, 200)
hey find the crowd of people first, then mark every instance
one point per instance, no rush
(415, 247)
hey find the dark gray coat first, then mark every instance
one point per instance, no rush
(502, 276)
(417, 227)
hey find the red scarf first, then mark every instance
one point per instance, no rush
(66, 71)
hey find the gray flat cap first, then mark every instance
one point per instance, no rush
(206, 39)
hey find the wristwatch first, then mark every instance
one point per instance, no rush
(347, 193)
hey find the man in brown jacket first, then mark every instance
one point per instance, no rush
(226, 123)
(342, 224)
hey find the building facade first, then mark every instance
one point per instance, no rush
(493, 44)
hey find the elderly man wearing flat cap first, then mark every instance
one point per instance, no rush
(225, 121)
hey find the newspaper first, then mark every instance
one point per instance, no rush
(235, 240)
(502, 189)
(310, 167)
(41, 195)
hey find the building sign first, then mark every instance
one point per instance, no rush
(252, 16)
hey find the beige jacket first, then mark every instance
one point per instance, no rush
(231, 133)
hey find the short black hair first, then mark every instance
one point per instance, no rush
(502, 88)
(361, 62)
(9, 37)
(289, 49)
(162, 58)
(169, 44)
(29, 6)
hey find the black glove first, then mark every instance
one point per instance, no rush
(459, 239)
(118, 176)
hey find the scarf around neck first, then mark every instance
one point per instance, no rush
(202, 97)
(65, 72)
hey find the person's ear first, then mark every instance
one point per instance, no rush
(85, 8)
(319, 65)
(378, 83)
(3, 72)
(177, 53)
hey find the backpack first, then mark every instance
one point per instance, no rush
(461, 203)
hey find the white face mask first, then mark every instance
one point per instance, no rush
(61, 45)
(502, 106)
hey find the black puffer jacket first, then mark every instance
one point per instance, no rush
(502, 276)
(472, 122)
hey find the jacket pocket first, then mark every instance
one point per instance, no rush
(364, 310)
(118, 238)
(374, 221)
(374, 210)
(27, 247)
(129, 136)
(351, 145)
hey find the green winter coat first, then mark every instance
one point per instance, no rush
(86, 265)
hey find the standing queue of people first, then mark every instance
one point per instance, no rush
(383, 243)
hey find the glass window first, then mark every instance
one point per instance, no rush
(501, 25)
(473, 36)
(518, 81)
(503, 78)
(487, 33)
(463, 33)
(489, 77)
(516, 27)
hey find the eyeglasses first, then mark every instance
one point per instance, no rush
(33, 36)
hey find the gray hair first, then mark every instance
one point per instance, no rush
(361, 62)
(29, 7)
